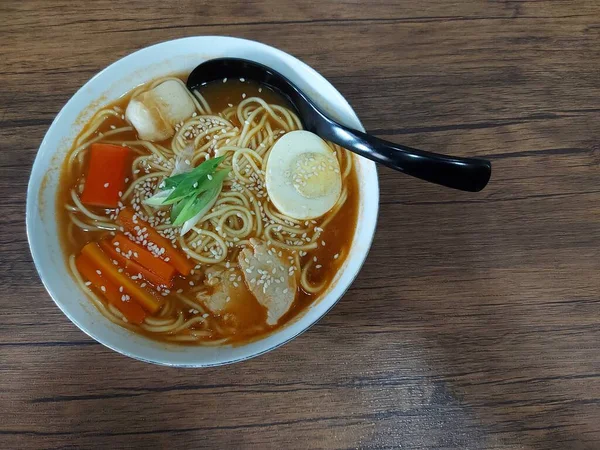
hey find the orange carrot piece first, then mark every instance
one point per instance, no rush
(132, 267)
(131, 310)
(108, 168)
(105, 266)
(139, 254)
(129, 220)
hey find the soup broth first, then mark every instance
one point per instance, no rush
(197, 308)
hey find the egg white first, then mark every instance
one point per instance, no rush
(303, 176)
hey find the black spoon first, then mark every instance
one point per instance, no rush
(466, 174)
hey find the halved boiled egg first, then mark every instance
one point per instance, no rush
(303, 175)
(155, 113)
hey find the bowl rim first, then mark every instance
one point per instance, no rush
(34, 191)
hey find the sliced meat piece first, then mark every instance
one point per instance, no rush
(268, 278)
(228, 298)
(223, 288)
(215, 302)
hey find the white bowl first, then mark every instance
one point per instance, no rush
(178, 56)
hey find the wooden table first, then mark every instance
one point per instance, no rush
(475, 322)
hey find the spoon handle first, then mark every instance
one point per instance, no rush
(465, 174)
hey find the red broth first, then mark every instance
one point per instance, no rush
(247, 320)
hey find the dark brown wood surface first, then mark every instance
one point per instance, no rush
(475, 323)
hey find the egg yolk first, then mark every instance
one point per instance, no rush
(314, 175)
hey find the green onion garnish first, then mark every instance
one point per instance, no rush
(190, 192)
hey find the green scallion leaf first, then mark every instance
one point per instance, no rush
(157, 199)
(207, 167)
(190, 192)
(193, 203)
(177, 208)
(194, 181)
(194, 206)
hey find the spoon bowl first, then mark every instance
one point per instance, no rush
(466, 174)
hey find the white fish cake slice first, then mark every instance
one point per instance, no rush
(155, 113)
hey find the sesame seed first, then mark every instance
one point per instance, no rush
(103, 289)
(106, 185)
(98, 272)
(87, 283)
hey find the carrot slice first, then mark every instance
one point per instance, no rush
(131, 310)
(109, 166)
(139, 254)
(129, 220)
(132, 267)
(103, 264)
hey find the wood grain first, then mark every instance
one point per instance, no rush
(475, 321)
